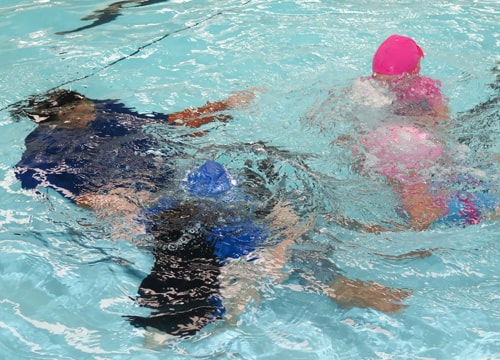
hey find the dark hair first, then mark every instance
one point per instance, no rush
(46, 108)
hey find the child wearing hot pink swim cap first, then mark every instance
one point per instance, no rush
(396, 63)
(403, 152)
(407, 153)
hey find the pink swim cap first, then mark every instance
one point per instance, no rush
(397, 55)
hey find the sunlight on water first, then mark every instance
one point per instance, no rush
(68, 276)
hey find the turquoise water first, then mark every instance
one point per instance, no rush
(65, 280)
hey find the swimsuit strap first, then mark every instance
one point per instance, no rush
(469, 210)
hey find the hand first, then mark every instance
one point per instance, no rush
(240, 99)
(209, 112)
(363, 294)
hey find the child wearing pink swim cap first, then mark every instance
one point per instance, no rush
(403, 152)
(396, 63)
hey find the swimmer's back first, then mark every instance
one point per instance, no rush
(113, 148)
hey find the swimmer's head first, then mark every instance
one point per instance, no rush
(63, 108)
(209, 179)
(397, 55)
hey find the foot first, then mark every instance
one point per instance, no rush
(364, 294)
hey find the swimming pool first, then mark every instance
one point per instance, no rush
(66, 281)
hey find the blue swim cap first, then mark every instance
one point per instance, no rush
(208, 180)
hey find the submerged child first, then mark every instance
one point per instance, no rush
(98, 155)
(407, 151)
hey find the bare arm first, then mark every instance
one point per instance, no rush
(211, 111)
(441, 111)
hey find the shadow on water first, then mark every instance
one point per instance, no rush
(110, 13)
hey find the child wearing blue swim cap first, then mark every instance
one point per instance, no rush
(195, 238)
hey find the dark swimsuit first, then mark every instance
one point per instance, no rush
(111, 150)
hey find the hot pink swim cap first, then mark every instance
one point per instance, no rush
(397, 55)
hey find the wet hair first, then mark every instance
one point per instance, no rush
(46, 109)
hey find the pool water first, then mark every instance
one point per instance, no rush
(65, 277)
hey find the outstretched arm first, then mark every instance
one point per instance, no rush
(211, 111)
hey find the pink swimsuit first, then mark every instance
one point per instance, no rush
(403, 152)
(416, 95)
